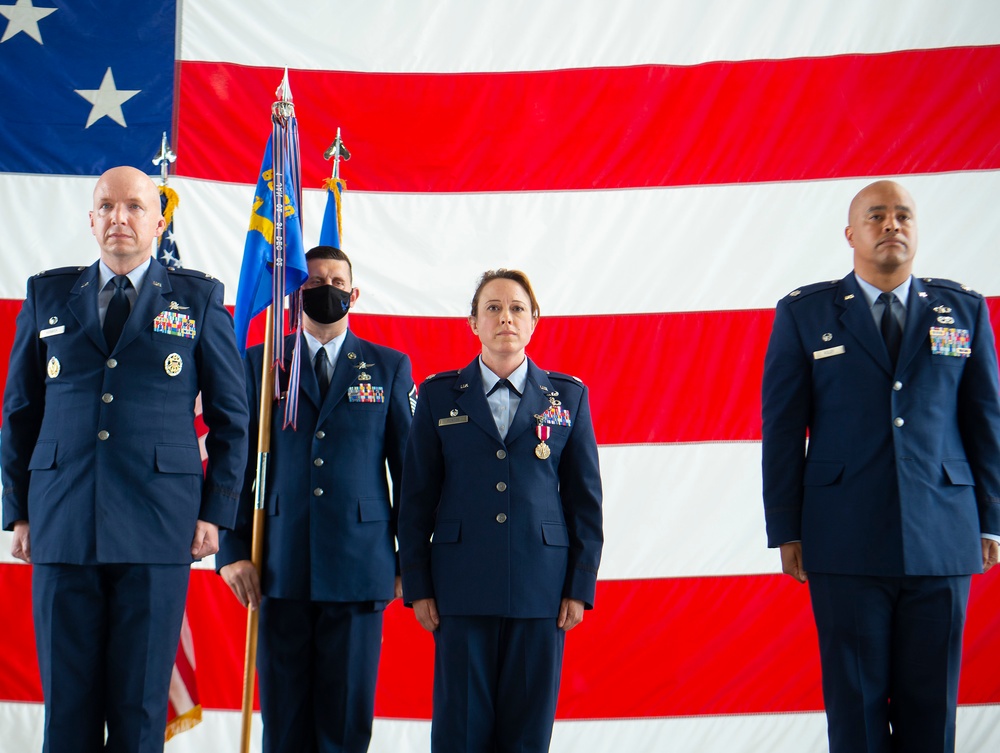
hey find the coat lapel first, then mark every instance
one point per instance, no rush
(345, 372)
(83, 304)
(856, 316)
(152, 299)
(920, 317)
(472, 399)
(534, 402)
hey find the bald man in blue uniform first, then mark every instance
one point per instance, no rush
(895, 502)
(102, 473)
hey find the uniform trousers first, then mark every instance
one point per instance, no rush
(891, 650)
(107, 639)
(318, 663)
(496, 682)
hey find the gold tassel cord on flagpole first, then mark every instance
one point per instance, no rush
(257, 545)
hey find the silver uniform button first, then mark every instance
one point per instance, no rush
(111, 363)
(107, 397)
(320, 434)
(897, 422)
(501, 454)
(318, 462)
(102, 435)
(501, 487)
(317, 492)
(897, 386)
(502, 518)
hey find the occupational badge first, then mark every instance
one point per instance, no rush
(53, 320)
(173, 364)
(175, 306)
(942, 310)
(54, 367)
(946, 320)
(827, 336)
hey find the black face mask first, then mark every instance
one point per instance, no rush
(326, 304)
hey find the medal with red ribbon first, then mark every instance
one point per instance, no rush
(543, 432)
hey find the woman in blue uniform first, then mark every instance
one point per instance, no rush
(500, 528)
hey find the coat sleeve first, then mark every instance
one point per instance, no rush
(397, 431)
(979, 421)
(224, 409)
(423, 475)
(23, 408)
(785, 409)
(235, 544)
(581, 494)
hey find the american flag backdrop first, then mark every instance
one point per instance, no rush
(663, 170)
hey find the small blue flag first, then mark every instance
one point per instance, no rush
(256, 279)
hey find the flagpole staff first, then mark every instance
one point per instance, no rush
(284, 145)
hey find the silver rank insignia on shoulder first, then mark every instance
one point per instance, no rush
(54, 367)
(796, 292)
(942, 310)
(173, 364)
(175, 306)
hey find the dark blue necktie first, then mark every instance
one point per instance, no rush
(503, 383)
(892, 333)
(118, 311)
(322, 366)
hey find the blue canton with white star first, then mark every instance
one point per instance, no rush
(85, 84)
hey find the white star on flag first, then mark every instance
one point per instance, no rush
(24, 17)
(107, 101)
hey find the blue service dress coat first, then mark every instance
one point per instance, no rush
(487, 527)
(100, 452)
(902, 472)
(331, 523)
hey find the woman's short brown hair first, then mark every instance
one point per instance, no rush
(506, 274)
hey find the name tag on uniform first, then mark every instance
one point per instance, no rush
(836, 350)
(453, 420)
(52, 331)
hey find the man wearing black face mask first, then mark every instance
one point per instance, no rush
(330, 565)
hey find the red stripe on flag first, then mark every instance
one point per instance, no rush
(664, 647)
(652, 125)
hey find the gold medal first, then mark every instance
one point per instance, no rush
(542, 451)
(173, 364)
(54, 367)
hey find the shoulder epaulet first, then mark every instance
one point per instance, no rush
(564, 377)
(807, 290)
(60, 271)
(185, 272)
(938, 282)
(442, 374)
